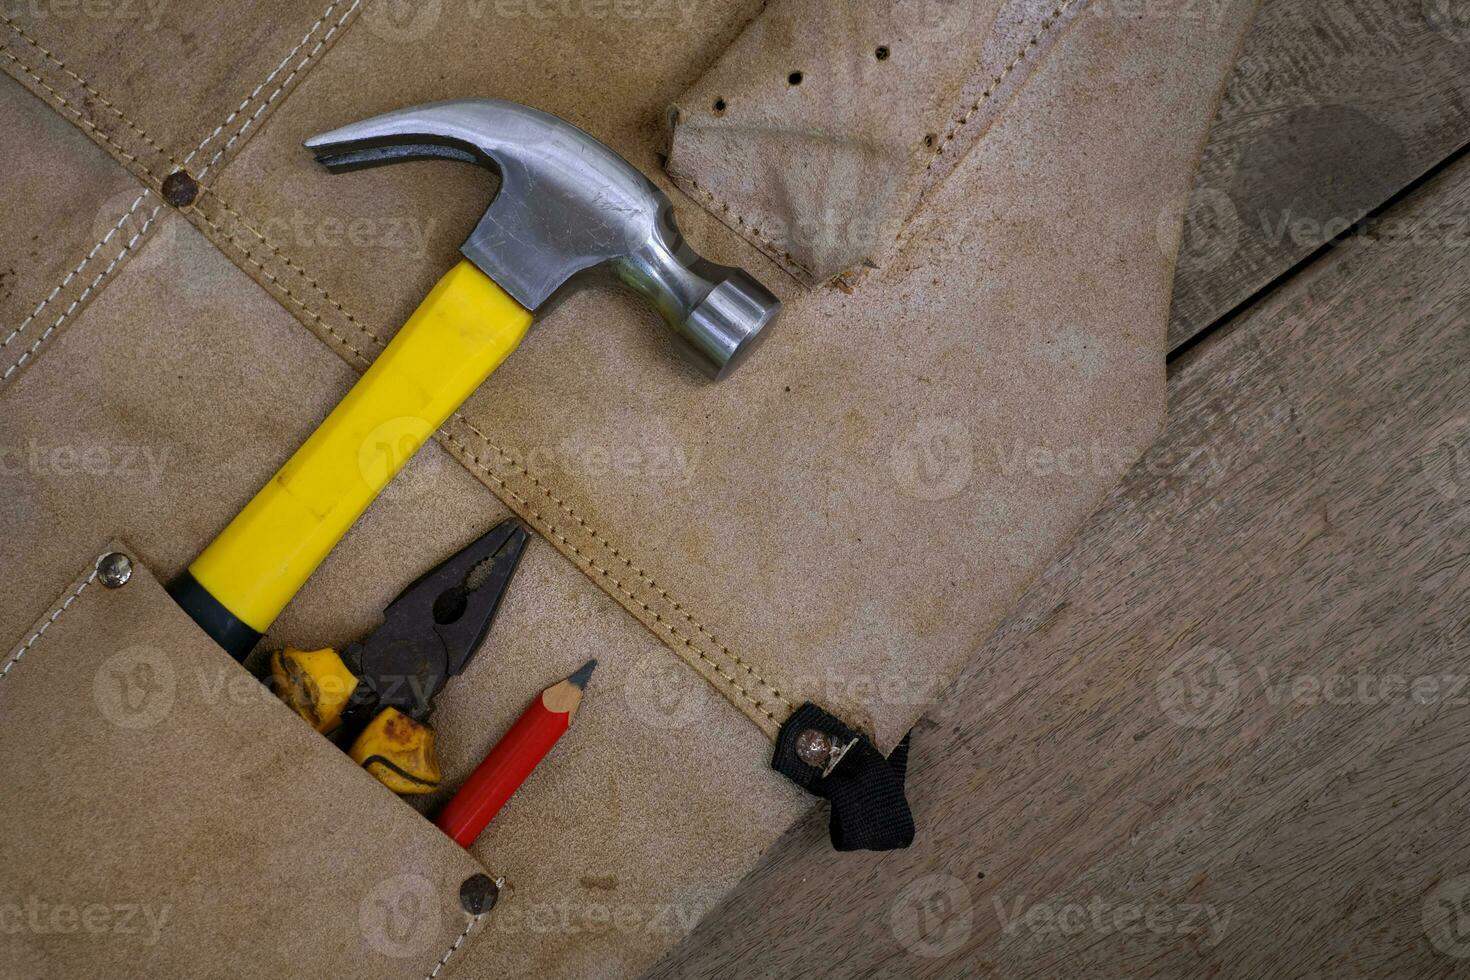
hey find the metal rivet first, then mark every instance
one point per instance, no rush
(179, 189)
(114, 569)
(814, 747)
(479, 893)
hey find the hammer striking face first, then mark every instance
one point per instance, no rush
(566, 205)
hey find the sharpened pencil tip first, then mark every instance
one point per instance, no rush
(579, 679)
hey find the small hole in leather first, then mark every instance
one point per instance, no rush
(719, 106)
(882, 53)
(794, 78)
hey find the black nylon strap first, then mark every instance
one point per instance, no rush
(869, 809)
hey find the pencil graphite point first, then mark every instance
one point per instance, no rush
(579, 679)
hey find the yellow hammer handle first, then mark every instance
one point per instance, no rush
(460, 333)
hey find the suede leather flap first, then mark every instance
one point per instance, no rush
(167, 816)
(819, 130)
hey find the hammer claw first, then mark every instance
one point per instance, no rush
(362, 156)
(568, 204)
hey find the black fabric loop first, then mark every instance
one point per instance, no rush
(869, 809)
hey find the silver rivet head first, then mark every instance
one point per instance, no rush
(814, 747)
(114, 569)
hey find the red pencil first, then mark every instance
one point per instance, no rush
(517, 753)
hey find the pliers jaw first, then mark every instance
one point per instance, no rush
(433, 628)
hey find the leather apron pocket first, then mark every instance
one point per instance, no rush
(165, 815)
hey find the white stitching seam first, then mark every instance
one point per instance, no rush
(213, 160)
(73, 273)
(15, 657)
(963, 119)
(266, 81)
(279, 88)
(85, 292)
(451, 950)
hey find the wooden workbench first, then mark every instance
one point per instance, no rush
(1224, 734)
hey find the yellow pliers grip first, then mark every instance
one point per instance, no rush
(396, 749)
(462, 331)
(399, 752)
(316, 684)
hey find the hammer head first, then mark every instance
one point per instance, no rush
(567, 205)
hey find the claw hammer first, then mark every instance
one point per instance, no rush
(567, 205)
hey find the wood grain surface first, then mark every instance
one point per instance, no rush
(1224, 734)
(1333, 107)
